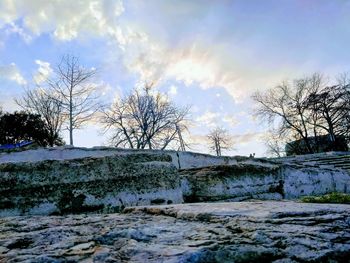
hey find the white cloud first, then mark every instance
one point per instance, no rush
(64, 19)
(43, 72)
(204, 66)
(11, 72)
(248, 137)
(213, 119)
(195, 62)
(104, 88)
(15, 29)
(149, 57)
(231, 120)
(209, 118)
(173, 90)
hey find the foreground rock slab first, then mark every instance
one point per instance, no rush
(268, 231)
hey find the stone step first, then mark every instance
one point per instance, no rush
(335, 163)
(331, 159)
(320, 160)
(346, 157)
(329, 166)
(343, 166)
(327, 163)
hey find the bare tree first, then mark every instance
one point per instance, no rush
(275, 144)
(146, 120)
(39, 101)
(219, 140)
(72, 85)
(331, 105)
(308, 111)
(287, 105)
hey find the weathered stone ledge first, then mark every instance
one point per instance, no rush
(268, 181)
(181, 160)
(110, 181)
(217, 232)
(105, 184)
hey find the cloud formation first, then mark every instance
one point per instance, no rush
(65, 19)
(143, 53)
(209, 119)
(217, 119)
(43, 72)
(12, 73)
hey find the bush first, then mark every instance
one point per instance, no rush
(22, 126)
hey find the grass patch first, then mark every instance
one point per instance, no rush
(336, 198)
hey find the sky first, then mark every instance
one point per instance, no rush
(207, 54)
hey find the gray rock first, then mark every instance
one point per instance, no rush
(104, 184)
(268, 231)
(78, 180)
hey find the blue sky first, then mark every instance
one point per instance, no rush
(208, 54)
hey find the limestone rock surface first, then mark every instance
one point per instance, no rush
(260, 180)
(79, 180)
(268, 231)
(103, 184)
(232, 182)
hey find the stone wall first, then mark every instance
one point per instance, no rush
(105, 184)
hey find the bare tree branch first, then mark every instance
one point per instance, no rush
(306, 110)
(43, 103)
(146, 120)
(219, 140)
(73, 88)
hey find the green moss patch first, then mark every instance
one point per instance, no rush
(337, 198)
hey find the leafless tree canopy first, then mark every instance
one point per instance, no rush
(305, 109)
(41, 102)
(275, 144)
(72, 85)
(146, 120)
(219, 140)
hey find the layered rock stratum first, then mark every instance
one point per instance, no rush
(105, 184)
(266, 231)
(60, 181)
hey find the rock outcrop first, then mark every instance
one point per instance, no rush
(262, 180)
(300, 180)
(79, 180)
(217, 232)
(232, 182)
(105, 184)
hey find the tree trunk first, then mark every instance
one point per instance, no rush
(71, 118)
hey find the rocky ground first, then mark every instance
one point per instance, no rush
(216, 232)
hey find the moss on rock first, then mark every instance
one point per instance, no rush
(337, 198)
